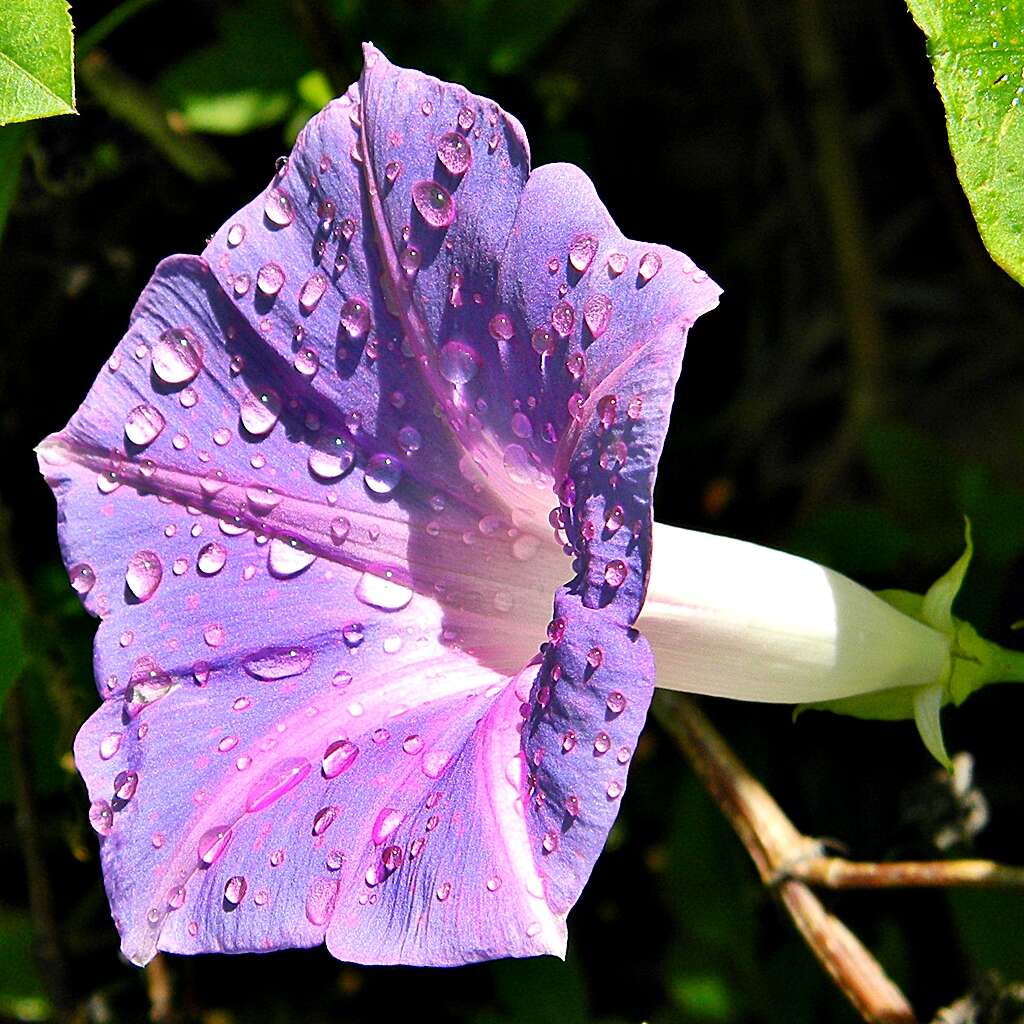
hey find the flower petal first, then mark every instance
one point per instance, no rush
(310, 495)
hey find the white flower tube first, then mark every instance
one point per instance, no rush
(732, 619)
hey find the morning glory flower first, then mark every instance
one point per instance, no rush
(363, 503)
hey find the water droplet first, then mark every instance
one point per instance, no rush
(334, 462)
(412, 744)
(617, 263)
(383, 473)
(434, 763)
(214, 635)
(607, 410)
(650, 264)
(278, 662)
(148, 685)
(338, 757)
(101, 817)
(259, 412)
(457, 362)
(108, 481)
(353, 634)
(321, 900)
(143, 425)
(595, 658)
(392, 169)
(455, 153)
(212, 558)
(110, 745)
(543, 341)
(324, 819)
(227, 743)
(213, 843)
(602, 743)
(236, 235)
(563, 319)
(410, 260)
(386, 824)
(379, 587)
(582, 250)
(143, 574)
(340, 528)
(551, 842)
(177, 356)
(125, 785)
(312, 292)
(614, 790)
(277, 780)
(288, 556)
(434, 203)
(82, 578)
(307, 362)
(427, 108)
(270, 279)
(572, 805)
(500, 327)
(278, 208)
(443, 891)
(355, 318)
(234, 890)
(569, 742)
(597, 314)
(616, 702)
(615, 572)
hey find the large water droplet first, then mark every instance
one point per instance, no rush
(379, 587)
(455, 153)
(434, 203)
(597, 314)
(582, 250)
(386, 824)
(563, 318)
(278, 662)
(125, 785)
(234, 890)
(177, 356)
(338, 757)
(321, 899)
(275, 782)
(615, 573)
(278, 208)
(82, 578)
(332, 462)
(312, 292)
(457, 362)
(212, 558)
(213, 843)
(650, 264)
(143, 574)
(324, 819)
(355, 318)
(143, 425)
(101, 817)
(383, 473)
(500, 327)
(260, 411)
(288, 556)
(617, 263)
(270, 279)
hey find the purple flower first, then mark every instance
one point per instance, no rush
(394, 433)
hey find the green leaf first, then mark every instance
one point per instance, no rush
(37, 74)
(977, 51)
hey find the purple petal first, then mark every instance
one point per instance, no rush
(310, 499)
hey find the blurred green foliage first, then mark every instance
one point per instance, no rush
(703, 126)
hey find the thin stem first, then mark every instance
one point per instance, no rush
(773, 841)
(40, 897)
(838, 873)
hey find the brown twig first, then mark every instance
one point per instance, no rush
(773, 842)
(838, 873)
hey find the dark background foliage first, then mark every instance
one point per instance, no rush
(856, 393)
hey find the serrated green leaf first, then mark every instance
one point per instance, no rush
(977, 52)
(37, 77)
